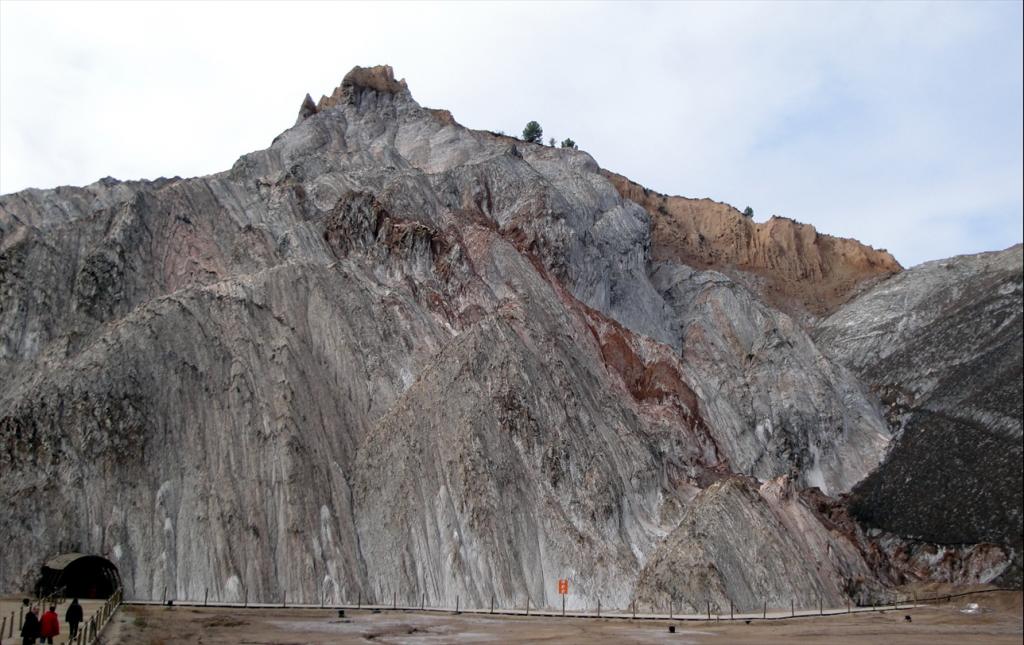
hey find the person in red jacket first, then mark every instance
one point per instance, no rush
(49, 626)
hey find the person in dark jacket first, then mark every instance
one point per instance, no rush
(30, 628)
(49, 626)
(72, 617)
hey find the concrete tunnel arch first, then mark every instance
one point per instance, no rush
(78, 575)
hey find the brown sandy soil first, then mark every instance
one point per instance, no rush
(1000, 622)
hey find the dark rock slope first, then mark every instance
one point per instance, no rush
(942, 346)
(391, 355)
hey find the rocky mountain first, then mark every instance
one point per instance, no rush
(389, 355)
(942, 345)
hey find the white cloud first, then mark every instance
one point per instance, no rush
(896, 123)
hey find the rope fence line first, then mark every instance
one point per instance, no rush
(909, 601)
(949, 597)
(91, 631)
(100, 619)
(532, 611)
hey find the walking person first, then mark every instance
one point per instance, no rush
(30, 628)
(24, 609)
(72, 617)
(49, 626)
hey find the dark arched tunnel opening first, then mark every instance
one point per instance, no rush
(74, 575)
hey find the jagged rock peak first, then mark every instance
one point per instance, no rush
(307, 109)
(379, 79)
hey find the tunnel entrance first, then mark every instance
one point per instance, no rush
(77, 575)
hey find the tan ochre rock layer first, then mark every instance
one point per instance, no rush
(789, 264)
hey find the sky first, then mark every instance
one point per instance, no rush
(898, 124)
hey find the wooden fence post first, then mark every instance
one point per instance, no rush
(492, 603)
(527, 604)
(394, 600)
(764, 614)
(457, 599)
(206, 596)
(709, 610)
(731, 616)
(792, 608)
(598, 607)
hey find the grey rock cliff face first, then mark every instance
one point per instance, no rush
(391, 355)
(775, 403)
(807, 549)
(704, 564)
(942, 345)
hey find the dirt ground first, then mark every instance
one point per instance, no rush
(1000, 621)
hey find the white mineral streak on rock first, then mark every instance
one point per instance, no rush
(762, 370)
(233, 590)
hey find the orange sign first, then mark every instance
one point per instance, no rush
(563, 586)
